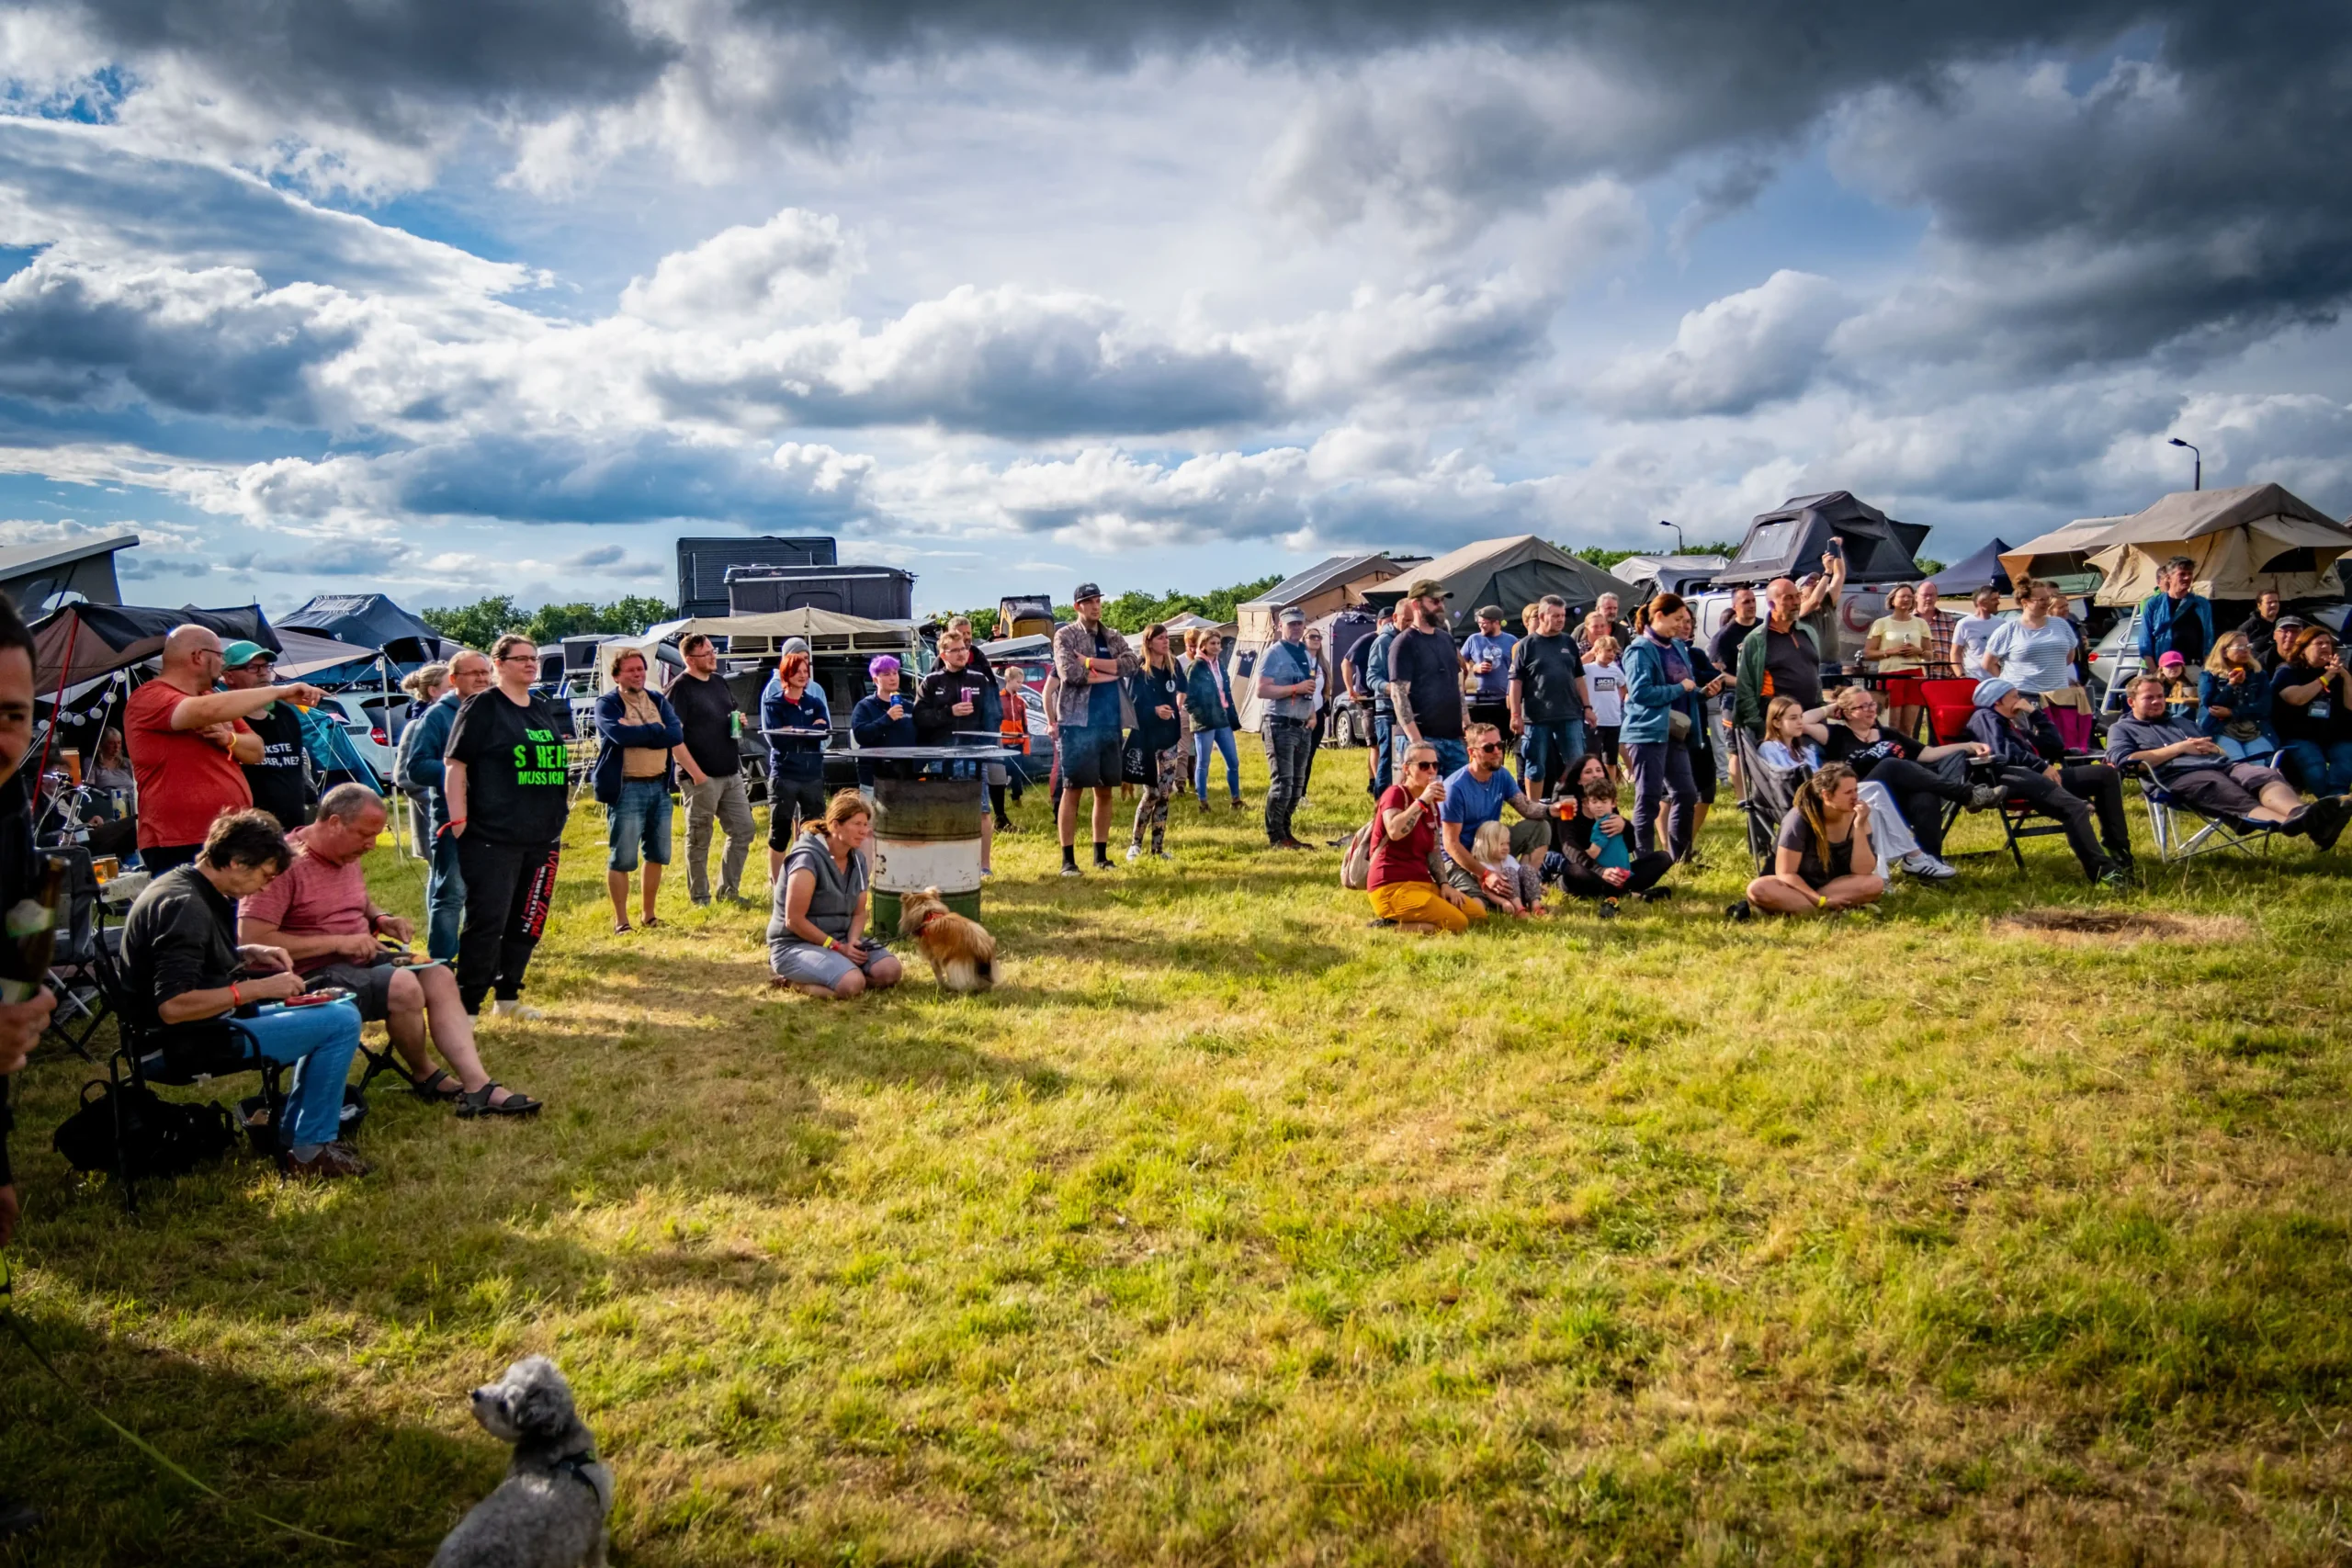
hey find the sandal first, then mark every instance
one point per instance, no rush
(622, 928)
(477, 1102)
(651, 923)
(431, 1086)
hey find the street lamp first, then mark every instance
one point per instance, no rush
(2199, 483)
(1678, 548)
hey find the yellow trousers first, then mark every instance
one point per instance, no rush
(1403, 901)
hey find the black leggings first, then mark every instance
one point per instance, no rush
(1579, 880)
(1920, 790)
(509, 888)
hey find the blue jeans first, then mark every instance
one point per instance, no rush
(320, 1042)
(2260, 747)
(640, 820)
(1549, 751)
(445, 900)
(1453, 756)
(1222, 741)
(1384, 760)
(2317, 767)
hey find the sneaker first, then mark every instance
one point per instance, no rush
(1134, 854)
(1161, 854)
(333, 1162)
(1658, 895)
(1380, 920)
(1609, 909)
(1236, 803)
(516, 1007)
(1927, 868)
(1743, 911)
(2113, 877)
(1103, 863)
(1984, 797)
(2328, 820)
(1070, 868)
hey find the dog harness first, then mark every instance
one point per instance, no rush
(928, 921)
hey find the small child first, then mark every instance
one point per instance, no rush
(1490, 847)
(1610, 851)
(1606, 682)
(2181, 697)
(1013, 733)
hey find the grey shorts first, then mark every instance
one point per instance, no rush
(370, 985)
(806, 965)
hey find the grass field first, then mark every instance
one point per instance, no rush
(1232, 1231)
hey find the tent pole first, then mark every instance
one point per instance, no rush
(56, 709)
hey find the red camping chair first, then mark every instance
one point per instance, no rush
(1950, 702)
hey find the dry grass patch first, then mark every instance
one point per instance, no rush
(2124, 926)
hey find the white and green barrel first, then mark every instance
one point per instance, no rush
(926, 834)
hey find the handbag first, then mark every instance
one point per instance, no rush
(1678, 726)
(159, 1137)
(1136, 765)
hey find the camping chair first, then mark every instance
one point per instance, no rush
(1950, 702)
(2174, 845)
(1766, 794)
(151, 1052)
(81, 1006)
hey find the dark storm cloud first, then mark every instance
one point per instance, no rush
(645, 478)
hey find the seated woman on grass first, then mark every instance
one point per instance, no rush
(817, 942)
(1400, 885)
(1824, 837)
(1597, 859)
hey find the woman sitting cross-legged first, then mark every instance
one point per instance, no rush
(1918, 780)
(817, 935)
(1824, 839)
(1793, 742)
(1401, 887)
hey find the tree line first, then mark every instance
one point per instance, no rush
(484, 620)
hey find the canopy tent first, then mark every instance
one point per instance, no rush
(1649, 575)
(372, 621)
(2243, 541)
(1512, 572)
(1189, 621)
(1982, 569)
(81, 642)
(302, 655)
(825, 631)
(1791, 541)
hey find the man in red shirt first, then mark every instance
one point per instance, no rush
(320, 913)
(187, 742)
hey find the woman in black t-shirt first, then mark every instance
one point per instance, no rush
(509, 786)
(1824, 837)
(1920, 778)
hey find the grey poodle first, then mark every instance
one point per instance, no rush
(549, 1511)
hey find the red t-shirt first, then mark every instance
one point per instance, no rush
(312, 898)
(1406, 859)
(185, 780)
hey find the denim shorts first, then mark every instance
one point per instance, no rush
(640, 820)
(804, 964)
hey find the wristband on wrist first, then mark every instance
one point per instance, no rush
(830, 945)
(234, 999)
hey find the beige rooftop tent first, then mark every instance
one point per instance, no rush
(825, 631)
(1328, 585)
(2244, 540)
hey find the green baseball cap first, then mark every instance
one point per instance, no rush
(237, 655)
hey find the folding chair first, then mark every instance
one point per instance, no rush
(80, 1006)
(2173, 845)
(152, 1052)
(1950, 702)
(1766, 794)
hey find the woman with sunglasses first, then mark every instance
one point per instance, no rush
(1403, 889)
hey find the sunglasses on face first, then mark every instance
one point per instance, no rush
(1419, 767)
(1491, 749)
(520, 658)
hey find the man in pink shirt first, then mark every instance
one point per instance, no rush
(318, 911)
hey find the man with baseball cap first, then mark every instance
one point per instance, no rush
(1425, 677)
(1094, 663)
(1485, 664)
(1286, 687)
(2282, 642)
(279, 781)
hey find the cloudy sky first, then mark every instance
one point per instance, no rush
(451, 297)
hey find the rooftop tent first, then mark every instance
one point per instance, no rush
(825, 631)
(32, 575)
(1675, 574)
(1790, 542)
(1983, 569)
(1512, 572)
(369, 620)
(2243, 541)
(302, 655)
(81, 642)
(1031, 648)
(1330, 584)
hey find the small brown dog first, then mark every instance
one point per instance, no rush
(961, 952)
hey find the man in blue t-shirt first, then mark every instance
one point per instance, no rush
(1474, 796)
(1485, 664)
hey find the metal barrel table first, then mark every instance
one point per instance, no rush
(928, 805)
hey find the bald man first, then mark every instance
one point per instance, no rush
(189, 745)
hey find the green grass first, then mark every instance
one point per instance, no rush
(1232, 1231)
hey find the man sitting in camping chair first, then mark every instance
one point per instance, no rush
(2030, 764)
(2192, 769)
(319, 912)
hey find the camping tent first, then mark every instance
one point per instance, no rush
(1649, 575)
(1983, 569)
(1512, 572)
(302, 655)
(2243, 541)
(1334, 584)
(1790, 542)
(371, 621)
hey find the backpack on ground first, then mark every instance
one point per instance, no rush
(159, 1137)
(1355, 862)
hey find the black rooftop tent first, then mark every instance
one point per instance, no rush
(81, 642)
(1790, 542)
(1983, 569)
(369, 620)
